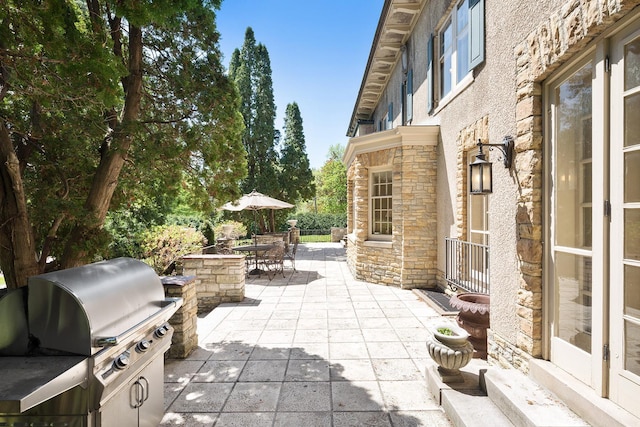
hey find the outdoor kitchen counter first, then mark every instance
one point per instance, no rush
(29, 381)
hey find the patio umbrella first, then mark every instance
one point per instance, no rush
(255, 201)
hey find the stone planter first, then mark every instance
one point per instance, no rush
(450, 352)
(473, 317)
(292, 222)
(227, 230)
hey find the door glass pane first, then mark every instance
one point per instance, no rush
(632, 65)
(632, 291)
(573, 287)
(477, 213)
(572, 153)
(632, 176)
(632, 347)
(632, 234)
(631, 122)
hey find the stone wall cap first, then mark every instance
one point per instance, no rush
(212, 256)
(177, 280)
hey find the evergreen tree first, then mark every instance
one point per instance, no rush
(102, 104)
(250, 68)
(296, 179)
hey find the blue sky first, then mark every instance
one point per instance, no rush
(318, 52)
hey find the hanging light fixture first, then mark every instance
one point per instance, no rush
(480, 171)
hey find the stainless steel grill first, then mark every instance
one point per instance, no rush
(84, 347)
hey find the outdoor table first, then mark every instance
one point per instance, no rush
(255, 249)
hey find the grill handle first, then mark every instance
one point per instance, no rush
(169, 305)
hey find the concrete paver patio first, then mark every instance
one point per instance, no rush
(316, 348)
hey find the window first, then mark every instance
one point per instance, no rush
(409, 97)
(381, 203)
(454, 48)
(460, 45)
(390, 116)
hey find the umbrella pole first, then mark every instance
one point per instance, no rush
(255, 243)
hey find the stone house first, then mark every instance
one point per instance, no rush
(558, 231)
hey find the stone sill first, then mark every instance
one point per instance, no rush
(378, 244)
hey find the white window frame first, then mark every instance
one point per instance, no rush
(372, 212)
(474, 37)
(452, 52)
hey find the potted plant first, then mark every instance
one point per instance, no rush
(450, 348)
(473, 317)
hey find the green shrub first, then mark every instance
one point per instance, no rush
(165, 244)
(319, 221)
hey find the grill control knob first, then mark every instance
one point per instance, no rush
(161, 331)
(121, 362)
(143, 346)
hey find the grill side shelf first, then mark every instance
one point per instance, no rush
(29, 381)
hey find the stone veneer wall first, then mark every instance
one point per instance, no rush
(467, 141)
(417, 231)
(409, 260)
(185, 319)
(219, 278)
(551, 44)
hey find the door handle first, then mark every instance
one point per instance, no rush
(140, 392)
(144, 384)
(135, 394)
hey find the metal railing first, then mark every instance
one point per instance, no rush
(467, 266)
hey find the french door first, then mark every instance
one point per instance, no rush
(594, 210)
(625, 223)
(576, 263)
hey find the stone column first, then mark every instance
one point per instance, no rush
(294, 235)
(219, 278)
(185, 319)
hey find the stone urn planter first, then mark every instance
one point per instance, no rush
(227, 230)
(292, 222)
(473, 317)
(450, 348)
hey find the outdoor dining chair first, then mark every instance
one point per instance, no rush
(273, 260)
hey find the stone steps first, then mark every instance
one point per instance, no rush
(498, 397)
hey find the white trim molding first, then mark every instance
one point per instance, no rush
(397, 137)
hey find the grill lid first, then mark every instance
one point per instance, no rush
(82, 309)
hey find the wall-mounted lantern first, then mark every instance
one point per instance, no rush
(480, 173)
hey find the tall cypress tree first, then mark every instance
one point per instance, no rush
(296, 178)
(250, 68)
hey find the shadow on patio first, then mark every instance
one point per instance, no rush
(316, 348)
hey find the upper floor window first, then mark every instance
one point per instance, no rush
(454, 48)
(381, 203)
(460, 48)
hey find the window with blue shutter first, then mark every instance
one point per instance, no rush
(476, 33)
(390, 116)
(460, 44)
(410, 95)
(429, 81)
